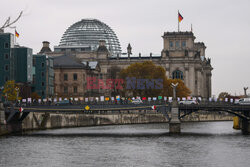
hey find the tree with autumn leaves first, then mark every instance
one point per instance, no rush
(149, 71)
(10, 90)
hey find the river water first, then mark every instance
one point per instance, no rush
(199, 144)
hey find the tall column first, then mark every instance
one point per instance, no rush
(168, 70)
(174, 124)
(192, 79)
(205, 85)
(199, 83)
(209, 85)
(186, 77)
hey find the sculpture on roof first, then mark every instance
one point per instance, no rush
(8, 23)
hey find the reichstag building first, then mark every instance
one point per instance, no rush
(91, 48)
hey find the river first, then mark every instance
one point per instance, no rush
(199, 144)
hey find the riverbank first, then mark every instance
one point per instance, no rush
(37, 121)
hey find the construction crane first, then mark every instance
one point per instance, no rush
(8, 23)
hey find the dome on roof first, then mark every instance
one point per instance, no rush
(88, 33)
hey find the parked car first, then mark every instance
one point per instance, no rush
(187, 102)
(244, 101)
(137, 101)
(63, 102)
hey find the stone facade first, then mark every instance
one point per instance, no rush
(182, 57)
(70, 76)
(73, 84)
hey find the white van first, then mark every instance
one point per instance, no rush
(244, 101)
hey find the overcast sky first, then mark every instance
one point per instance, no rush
(223, 25)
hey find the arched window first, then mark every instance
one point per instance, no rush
(177, 74)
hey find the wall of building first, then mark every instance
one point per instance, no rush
(39, 78)
(23, 64)
(188, 57)
(49, 76)
(70, 83)
(6, 57)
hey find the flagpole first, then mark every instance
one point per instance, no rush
(15, 38)
(178, 22)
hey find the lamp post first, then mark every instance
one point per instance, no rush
(174, 93)
(174, 124)
(245, 91)
(17, 93)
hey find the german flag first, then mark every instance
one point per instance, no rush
(180, 18)
(17, 34)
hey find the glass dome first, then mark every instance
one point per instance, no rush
(87, 33)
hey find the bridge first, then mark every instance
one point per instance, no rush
(173, 112)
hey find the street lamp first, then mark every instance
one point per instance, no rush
(174, 89)
(17, 94)
(245, 91)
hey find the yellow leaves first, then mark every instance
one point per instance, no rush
(182, 90)
(10, 90)
(34, 95)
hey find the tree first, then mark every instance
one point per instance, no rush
(10, 90)
(181, 91)
(223, 95)
(34, 95)
(148, 71)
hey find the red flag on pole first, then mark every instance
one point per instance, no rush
(17, 34)
(180, 18)
(21, 109)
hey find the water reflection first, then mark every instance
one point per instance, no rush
(199, 144)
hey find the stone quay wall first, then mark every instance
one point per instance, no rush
(40, 120)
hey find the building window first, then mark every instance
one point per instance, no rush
(6, 78)
(6, 45)
(34, 61)
(171, 44)
(6, 67)
(75, 89)
(42, 74)
(34, 79)
(183, 44)
(42, 93)
(65, 76)
(42, 64)
(75, 77)
(101, 76)
(177, 44)
(42, 83)
(51, 63)
(177, 74)
(6, 56)
(65, 89)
